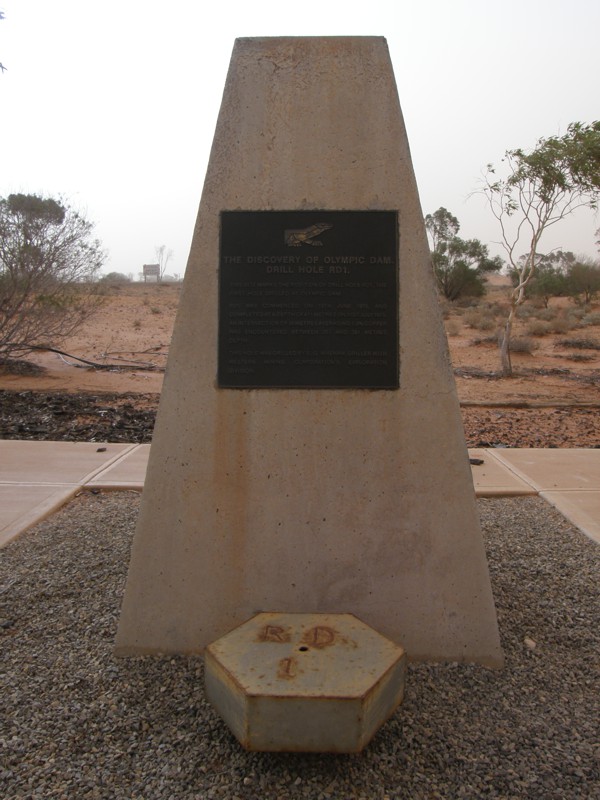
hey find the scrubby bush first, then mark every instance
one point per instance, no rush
(580, 344)
(525, 312)
(562, 324)
(485, 340)
(115, 277)
(545, 313)
(453, 327)
(537, 327)
(522, 344)
(47, 253)
(480, 320)
(593, 318)
(576, 313)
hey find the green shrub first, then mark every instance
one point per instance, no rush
(115, 277)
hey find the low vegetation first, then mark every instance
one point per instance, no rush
(541, 329)
(580, 344)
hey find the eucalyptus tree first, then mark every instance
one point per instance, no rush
(535, 190)
(459, 264)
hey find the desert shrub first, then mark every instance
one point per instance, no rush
(537, 327)
(562, 324)
(485, 340)
(453, 327)
(593, 318)
(580, 357)
(480, 320)
(579, 344)
(115, 277)
(537, 302)
(48, 263)
(495, 309)
(525, 312)
(457, 310)
(155, 310)
(137, 324)
(522, 344)
(545, 314)
(467, 302)
(568, 321)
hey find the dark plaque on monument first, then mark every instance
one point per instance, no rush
(308, 299)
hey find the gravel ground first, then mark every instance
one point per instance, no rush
(81, 724)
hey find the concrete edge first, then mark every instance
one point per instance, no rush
(513, 470)
(38, 512)
(563, 502)
(65, 492)
(108, 463)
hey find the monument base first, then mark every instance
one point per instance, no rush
(304, 682)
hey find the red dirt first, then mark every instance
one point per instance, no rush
(552, 401)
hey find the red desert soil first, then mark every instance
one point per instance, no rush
(553, 400)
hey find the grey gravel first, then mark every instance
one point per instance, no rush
(78, 723)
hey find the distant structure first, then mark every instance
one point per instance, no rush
(151, 270)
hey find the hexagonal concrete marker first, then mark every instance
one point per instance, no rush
(304, 682)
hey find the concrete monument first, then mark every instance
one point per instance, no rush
(304, 682)
(309, 453)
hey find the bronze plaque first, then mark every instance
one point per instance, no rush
(308, 299)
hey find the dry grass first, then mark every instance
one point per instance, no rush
(579, 344)
(523, 344)
(480, 320)
(453, 327)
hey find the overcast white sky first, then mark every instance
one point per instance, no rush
(114, 104)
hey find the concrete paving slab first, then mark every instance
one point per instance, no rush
(22, 506)
(53, 462)
(495, 479)
(550, 470)
(127, 472)
(36, 478)
(582, 508)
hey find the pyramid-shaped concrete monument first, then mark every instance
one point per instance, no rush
(309, 453)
